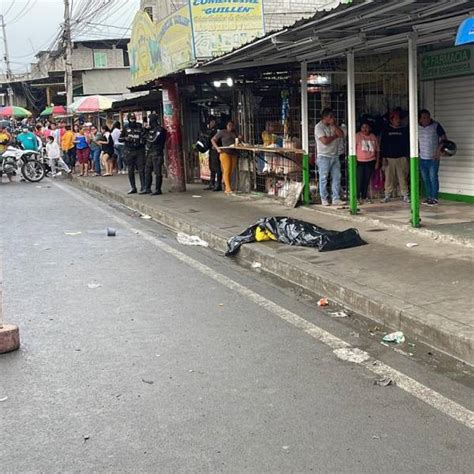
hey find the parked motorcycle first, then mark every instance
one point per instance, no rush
(15, 160)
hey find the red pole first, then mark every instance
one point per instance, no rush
(174, 143)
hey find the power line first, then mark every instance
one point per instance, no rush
(9, 8)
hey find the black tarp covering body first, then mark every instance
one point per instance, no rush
(295, 232)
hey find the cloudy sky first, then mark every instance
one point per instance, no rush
(32, 25)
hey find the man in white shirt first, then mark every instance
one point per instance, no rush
(328, 139)
(54, 155)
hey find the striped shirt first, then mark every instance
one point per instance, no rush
(428, 139)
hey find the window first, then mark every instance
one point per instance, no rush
(126, 59)
(100, 60)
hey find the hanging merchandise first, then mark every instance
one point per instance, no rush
(295, 232)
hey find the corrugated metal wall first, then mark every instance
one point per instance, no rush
(454, 109)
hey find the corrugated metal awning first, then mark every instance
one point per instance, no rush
(364, 26)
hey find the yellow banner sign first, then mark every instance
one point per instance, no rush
(219, 27)
(156, 50)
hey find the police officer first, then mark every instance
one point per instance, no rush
(215, 183)
(133, 137)
(155, 141)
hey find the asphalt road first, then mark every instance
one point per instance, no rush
(182, 361)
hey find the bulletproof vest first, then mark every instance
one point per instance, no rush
(155, 139)
(135, 137)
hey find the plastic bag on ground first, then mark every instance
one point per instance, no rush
(296, 232)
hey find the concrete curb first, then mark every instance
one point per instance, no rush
(434, 330)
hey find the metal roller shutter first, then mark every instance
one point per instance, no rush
(454, 109)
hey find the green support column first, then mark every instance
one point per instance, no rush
(415, 190)
(353, 184)
(306, 193)
(413, 119)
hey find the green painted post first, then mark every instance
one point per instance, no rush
(353, 184)
(415, 190)
(306, 193)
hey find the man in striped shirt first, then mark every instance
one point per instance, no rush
(430, 137)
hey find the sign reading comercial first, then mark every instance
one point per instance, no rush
(450, 62)
(219, 26)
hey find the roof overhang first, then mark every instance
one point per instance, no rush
(363, 26)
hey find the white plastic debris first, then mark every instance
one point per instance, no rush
(256, 265)
(4, 399)
(397, 337)
(93, 286)
(185, 239)
(145, 216)
(196, 196)
(72, 233)
(410, 245)
(339, 314)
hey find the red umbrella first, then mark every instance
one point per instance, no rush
(54, 110)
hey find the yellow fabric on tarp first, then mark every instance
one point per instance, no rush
(263, 234)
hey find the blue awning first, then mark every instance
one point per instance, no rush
(465, 32)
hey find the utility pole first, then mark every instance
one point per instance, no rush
(67, 44)
(6, 58)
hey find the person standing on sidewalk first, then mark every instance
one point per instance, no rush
(228, 158)
(68, 147)
(155, 141)
(83, 152)
(95, 150)
(215, 182)
(395, 142)
(430, 137)
(118, 147)
(327, 135)
(368, 159)
(132, 136)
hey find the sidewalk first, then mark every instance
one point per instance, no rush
(425, 291)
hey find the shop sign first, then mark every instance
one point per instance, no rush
(450, 62)
(156, 50)
(220, 27)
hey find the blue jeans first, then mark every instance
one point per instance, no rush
(429, 173)
(120, 161)
(95, 156)
(329, 166)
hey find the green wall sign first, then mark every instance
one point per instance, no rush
(450, 62)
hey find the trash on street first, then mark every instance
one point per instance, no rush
(384, 382)
(339, 314)
(185, 239)
(323, 302)
(397, 337)
(93, 286)
(410, 245)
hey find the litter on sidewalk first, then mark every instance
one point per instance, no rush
(295, 232)
(410, 245)
(323, 302)
(339, 314)
(397, 337)
(185, 239)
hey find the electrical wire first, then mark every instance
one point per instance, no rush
(24, 11)
(9, 8)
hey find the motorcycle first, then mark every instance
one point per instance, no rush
(14, 160)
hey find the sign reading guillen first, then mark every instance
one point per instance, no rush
(219, 26)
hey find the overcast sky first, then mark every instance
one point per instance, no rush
(35, 28)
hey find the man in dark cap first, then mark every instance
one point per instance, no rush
(133, 137)
(155, 141)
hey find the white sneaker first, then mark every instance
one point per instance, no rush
(325, 203)
(337, 202)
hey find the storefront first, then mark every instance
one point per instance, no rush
(448, 92)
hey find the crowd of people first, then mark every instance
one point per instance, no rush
(135, 147)
(87, 151)
(389, 150)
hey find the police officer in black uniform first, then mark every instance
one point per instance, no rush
(155, 141)
(215, 183)
(133, 137)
